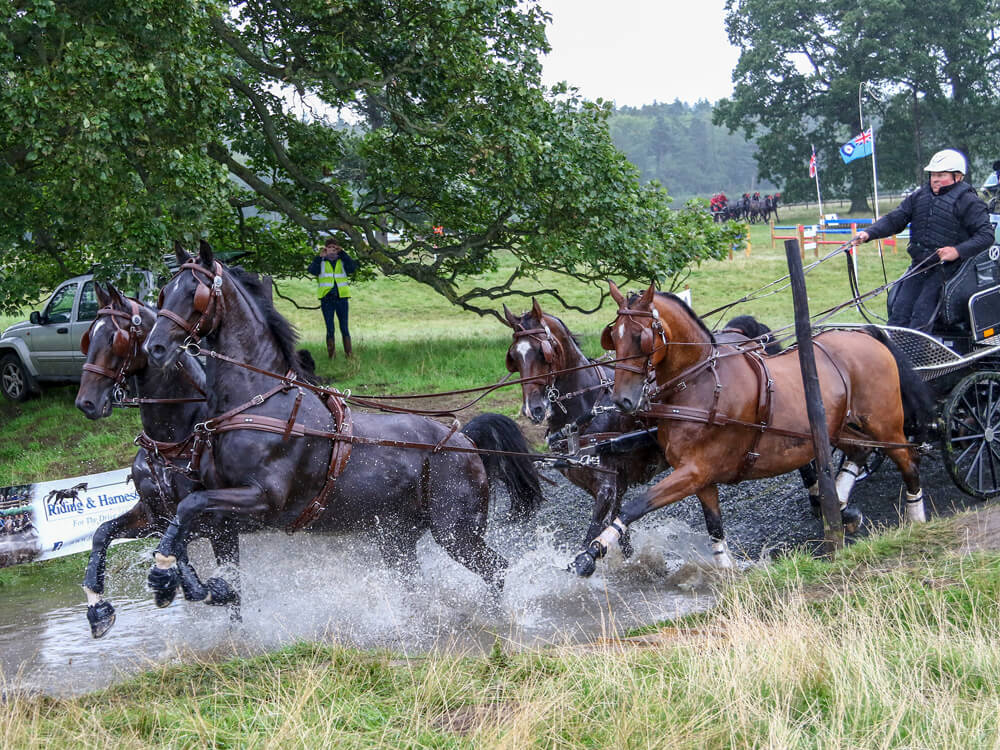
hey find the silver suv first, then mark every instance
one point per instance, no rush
(46, 348)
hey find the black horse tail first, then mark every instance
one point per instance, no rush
(496, 432)
(919, 408)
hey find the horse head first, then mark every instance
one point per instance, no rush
(633, 338)
(640, 336)
(192, 304)
(113, 346)
(535, 353)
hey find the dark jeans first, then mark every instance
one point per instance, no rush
(916, 301)
(335, 306)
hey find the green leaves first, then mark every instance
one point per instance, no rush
(127, 126)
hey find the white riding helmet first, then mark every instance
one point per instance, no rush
(947, 160)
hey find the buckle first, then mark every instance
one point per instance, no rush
(257, 400)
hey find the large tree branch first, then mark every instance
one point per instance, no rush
(284, 204)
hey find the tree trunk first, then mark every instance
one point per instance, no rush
(859, 198)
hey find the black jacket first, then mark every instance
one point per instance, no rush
(956, 216)
(350, 266)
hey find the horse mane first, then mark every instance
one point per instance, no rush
(569, 333)
(633, 298)
(284, 333)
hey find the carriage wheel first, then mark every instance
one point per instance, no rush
(971, 435)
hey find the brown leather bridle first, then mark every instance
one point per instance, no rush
(207, 301)
(125, 342)
(647, 338)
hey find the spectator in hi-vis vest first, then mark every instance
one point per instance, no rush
(331, 268)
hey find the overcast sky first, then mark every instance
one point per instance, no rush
(638, 51)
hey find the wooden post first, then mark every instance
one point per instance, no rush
(800, 232)
(833, 528)
(771, 223)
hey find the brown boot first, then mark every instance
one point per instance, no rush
(347, 346)
(331, 347)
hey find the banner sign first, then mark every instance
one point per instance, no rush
(51, 519)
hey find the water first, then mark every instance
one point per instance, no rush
(336, 588)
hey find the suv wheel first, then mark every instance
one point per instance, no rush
(13, 378)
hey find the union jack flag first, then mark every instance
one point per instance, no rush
(812, 164)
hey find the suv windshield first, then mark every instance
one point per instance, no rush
(88, 303)
(60, 308)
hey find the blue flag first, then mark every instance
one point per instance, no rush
(858, 147)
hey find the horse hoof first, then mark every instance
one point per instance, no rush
(163, 583)
(852, 519)
(101, 617)
(220, 593)
(584, 565)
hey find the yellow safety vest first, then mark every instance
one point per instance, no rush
(329, 275)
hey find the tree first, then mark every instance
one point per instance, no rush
(929, 77)
(126, 126)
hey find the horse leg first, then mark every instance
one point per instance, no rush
(850, 470)
(903, 458)
(810, 480)
(709, 497)
(458, 522)
(171, 567)
(607, 502)
(129, 525)
(397, 541)
(683, 481)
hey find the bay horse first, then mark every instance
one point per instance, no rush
(724, 416)
(171, 402)
(563, 386)
(278, 455)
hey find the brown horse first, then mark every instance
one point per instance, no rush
(725, 416)
(562, 386)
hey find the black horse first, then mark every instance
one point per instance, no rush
(170, 403)
(279, 455)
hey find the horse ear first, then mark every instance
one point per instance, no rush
(511, 318)
(205, 255)
(102, 297)
(536, 309)
(616, 295)
(115, 296)
(181, 254)
(647, 296)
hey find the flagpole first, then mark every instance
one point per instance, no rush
(819, 200)
(874, 170)
(861, 120)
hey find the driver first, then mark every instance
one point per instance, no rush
(946, 218)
